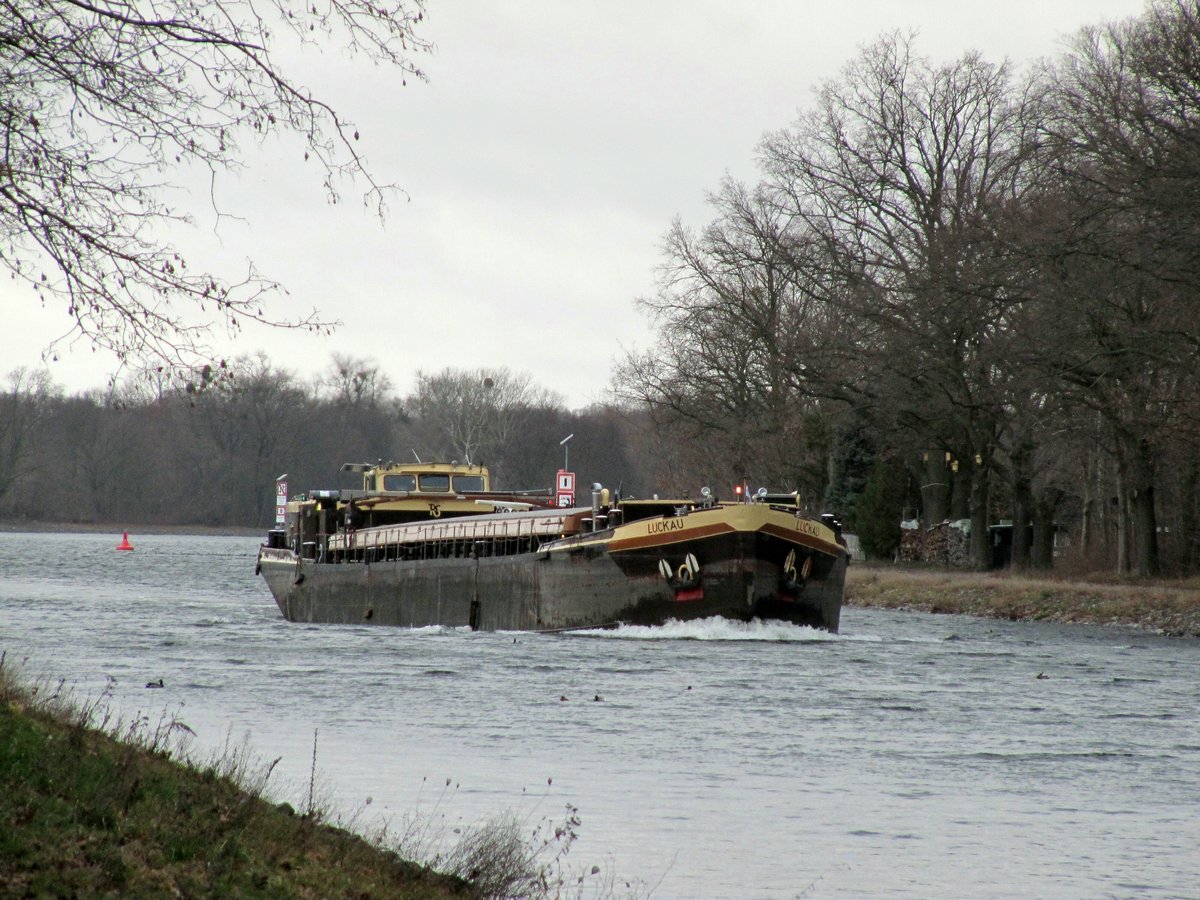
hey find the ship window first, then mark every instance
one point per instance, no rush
(465, 483)
(435, 482)
(399, 483)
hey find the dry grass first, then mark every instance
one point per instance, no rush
(96, 805)
(1166, 607)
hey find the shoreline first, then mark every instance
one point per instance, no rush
(37, 526)
(1160, 606)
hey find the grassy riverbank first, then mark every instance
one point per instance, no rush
(88, 815)
(1167, 607)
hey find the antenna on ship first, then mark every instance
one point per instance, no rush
(414, 453)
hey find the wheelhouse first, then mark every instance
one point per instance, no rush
(422, 478)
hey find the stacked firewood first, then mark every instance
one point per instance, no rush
(958, 548)
(911, 541)
(941, 545)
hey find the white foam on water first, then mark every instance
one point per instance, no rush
(438, 630)
(715, 628)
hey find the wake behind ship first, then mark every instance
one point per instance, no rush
(431, 544)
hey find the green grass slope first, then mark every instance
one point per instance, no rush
(85, 814)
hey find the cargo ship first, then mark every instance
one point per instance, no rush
(432, 545)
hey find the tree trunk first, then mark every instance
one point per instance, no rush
(1145, 522)
(1124, 557)
(1022, 508)
(962, 488)
(1093, 498)
(1189, 527)
(1042, 554)
(935, 489)
(981, 545)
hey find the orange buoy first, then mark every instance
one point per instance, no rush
(125, 545)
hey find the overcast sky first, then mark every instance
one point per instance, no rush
(551, 147)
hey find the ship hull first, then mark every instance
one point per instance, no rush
(740, 564)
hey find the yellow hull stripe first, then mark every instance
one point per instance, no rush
(700, 524)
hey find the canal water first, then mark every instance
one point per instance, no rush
(909, 756)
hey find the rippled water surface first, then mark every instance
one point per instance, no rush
(909, 756)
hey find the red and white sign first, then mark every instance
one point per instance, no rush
(565, 492)
(280, 503)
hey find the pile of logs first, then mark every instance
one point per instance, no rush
(944, 544)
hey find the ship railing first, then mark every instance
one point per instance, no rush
(474, 536)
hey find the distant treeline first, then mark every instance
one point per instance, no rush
(207, 451)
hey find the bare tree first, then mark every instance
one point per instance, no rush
(1122, 268)
(354, 381)
(93, 437)
(908, 170)
(748, 342)
(476, 415)
(245, 431)
(362, 408)
(23, 406)
(104, 102)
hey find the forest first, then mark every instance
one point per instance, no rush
(963, 291)
(207, 450)
(957, 291)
